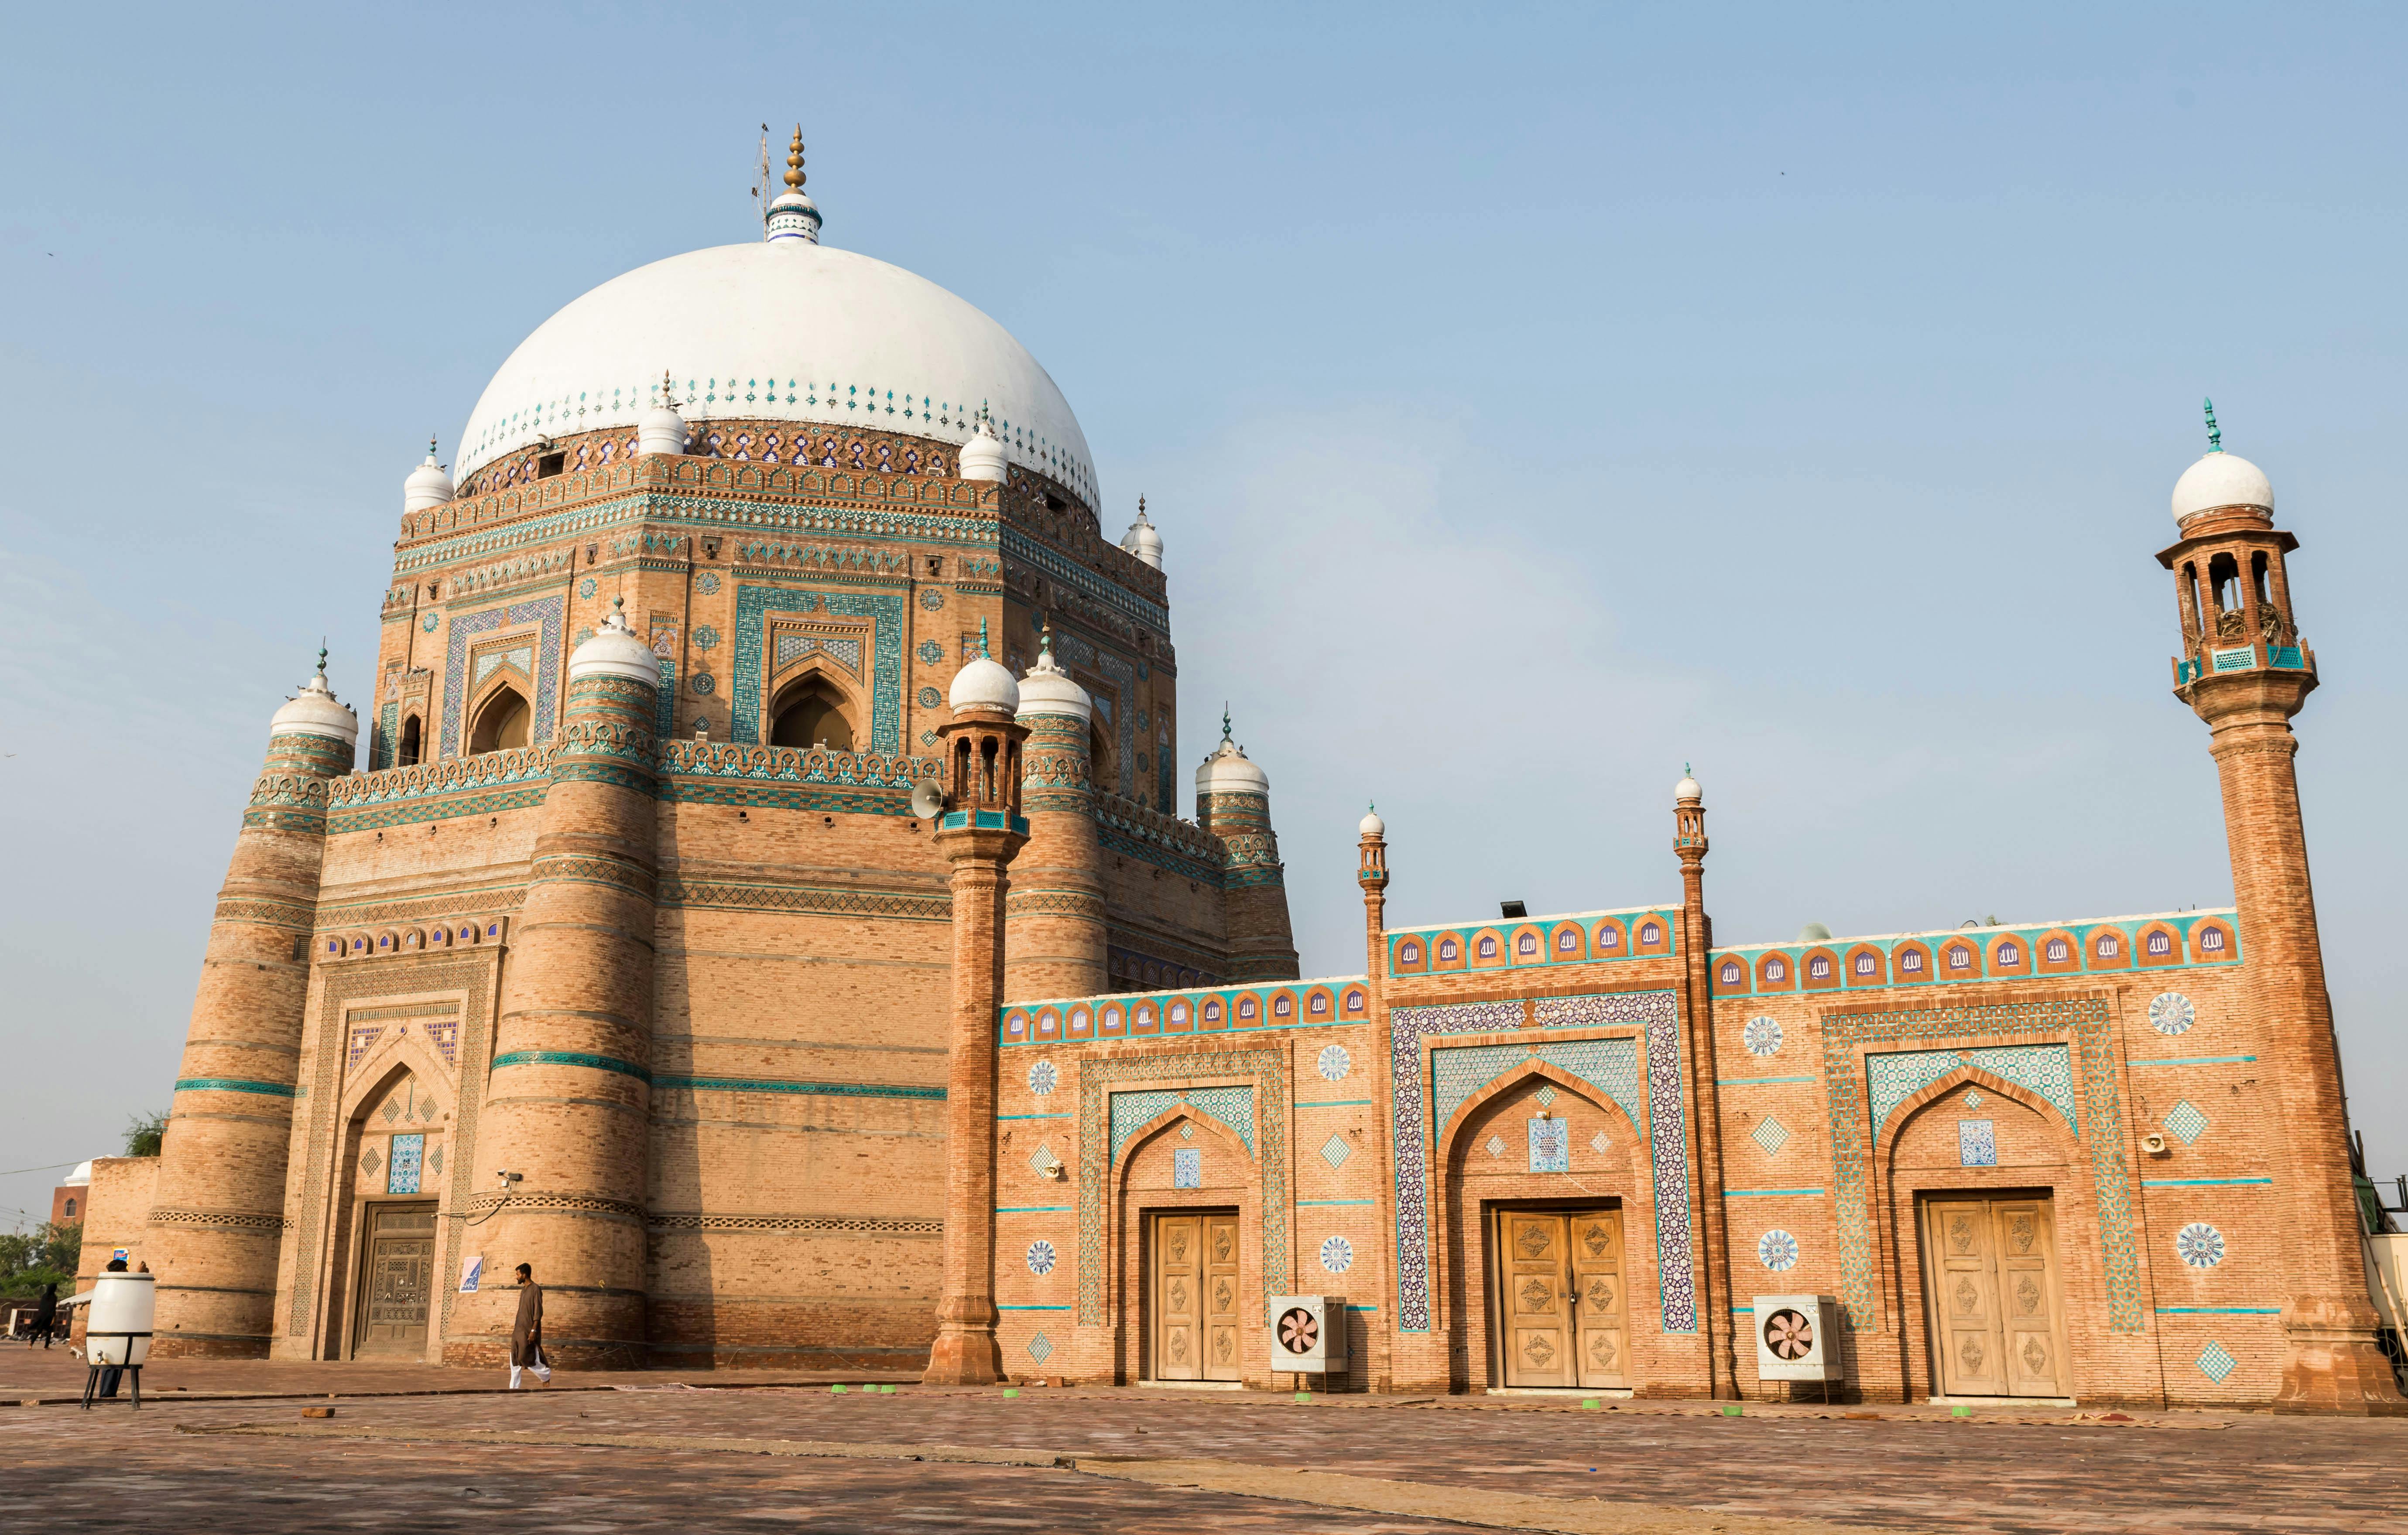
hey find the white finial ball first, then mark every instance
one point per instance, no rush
(1371, 826)
(982, 454)
(2221, 479)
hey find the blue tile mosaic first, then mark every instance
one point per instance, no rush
(753, 606)
(402, 1167)
(1551, 1145)
(1977, 1142)
(1188, 1167)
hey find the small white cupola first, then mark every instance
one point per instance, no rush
(1686, 791)
(794, 218)
(2220, 480)
(316, 712)
(1229, 771)
(983, 683)
(427, 486)
(982, 454)
(1371, 826)
(662, 430)
(615, 651)
(1141, 539)
(1049, 690)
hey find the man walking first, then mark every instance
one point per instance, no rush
(45, 1316)
(526, 1333)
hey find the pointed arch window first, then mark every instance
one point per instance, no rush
(411, 745)
(503, 722)
(809, 713)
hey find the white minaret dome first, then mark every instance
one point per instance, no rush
(983, 683)
(1141, 539)
(1371, 826)
(982, 454)
(1049, 690)
(315, 712)
(794, 218)
(1229, 771)
(661, 429)
(2221, 479)
(1687, 788)
(428, 485)
(615, 651)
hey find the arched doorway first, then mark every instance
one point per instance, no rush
(811, 712)
(504, 721)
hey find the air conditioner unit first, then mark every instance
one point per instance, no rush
(1798, 1338)
(1308, 1333)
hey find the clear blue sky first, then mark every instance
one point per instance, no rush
(1532, 401)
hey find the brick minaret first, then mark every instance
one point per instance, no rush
(568, 1104)
(1698, 1022)
(217, 1215)
(2245, 671)
(980, 831)
(1054, 942)
(1233, 802)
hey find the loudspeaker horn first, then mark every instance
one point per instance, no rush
(927, 800)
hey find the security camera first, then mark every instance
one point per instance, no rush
(508, 1178)
(2154, 1144)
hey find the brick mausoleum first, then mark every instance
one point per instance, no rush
(763, 907)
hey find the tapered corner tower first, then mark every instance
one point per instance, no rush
(1233, 802)
(2245, 670)
(217, 1215)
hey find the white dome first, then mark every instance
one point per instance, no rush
(782, 330)
(615, 651)
(1049, 690)
(1141, 539)
(79, 1177)
(984, 684)
(1687, 788)
(315, 712)
(1229, 771)
(661, 429)
(428, 485)
(2221, 479)
(982, 456)
(1371, 826)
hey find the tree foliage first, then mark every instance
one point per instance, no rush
(143, 1134)
(44, 1255)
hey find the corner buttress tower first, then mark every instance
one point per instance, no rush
(1054, 943)
(2245, 671)
(1233, 802)
(217, 1214)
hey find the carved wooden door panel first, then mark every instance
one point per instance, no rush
(1178, 1297)
(1221, 1335)
(2027, 1298)
(1966, 1340)
(1532, 1271)
(397, 1279)
(1596, 1248)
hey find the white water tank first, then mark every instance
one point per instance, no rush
(117, 1331)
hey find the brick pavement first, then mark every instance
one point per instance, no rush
(660, 1454)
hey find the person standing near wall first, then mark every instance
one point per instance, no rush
(527, 1332)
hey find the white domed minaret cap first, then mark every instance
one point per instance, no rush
(1687, 788)
(316, 712)
(794, 218)
(1141, 539)
(982, 454)
(1229, 771)
(615, 651)
(1049, 690)
(983, 683)
(662, 429)
(1371, 826)
(2221, 479)
(428, 485)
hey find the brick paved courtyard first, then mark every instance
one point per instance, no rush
(668, 1451)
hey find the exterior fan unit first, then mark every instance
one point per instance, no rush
(1308, 1333)
(1798, 1338)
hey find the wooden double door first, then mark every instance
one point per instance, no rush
(396, 1278)
(1557, 1277)
(1192, 1296)
(1990, 1272)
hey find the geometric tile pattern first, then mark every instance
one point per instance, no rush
(2046, 1069)
(1335, 1151)
(1267, 1120)
(1550, 1147)
(1333, 1064)
(1041, 1348)
(2199, 1245)
(1041, 1078)
(1762, 1036)
(1977, 1142)
(1338, 1254)
(401, 1171)
(752, 606)
(2074, 1029)
(1777, 1251)
(1546, 1096)
(1040, 1258)
(1414, 1097)
(545, 611)
(1188, 1167)
(791, 647)
(1232, 1106)
(2184, 1122)
(2171, 1013)
(2215, 1362)
(1771, 1135)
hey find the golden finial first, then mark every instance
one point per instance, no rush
(794, 177)
(667, 398)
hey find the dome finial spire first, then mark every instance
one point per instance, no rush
(1224, 719)
(983, 641)
(792, 218)
(2214, 432)
(794, 177)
